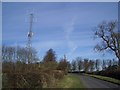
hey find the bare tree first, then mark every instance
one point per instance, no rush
(69, 66)
(3, 52)
(86, 64)
(97, 64)
(110, 63)
(110, 38)
(8, 53)
(80, 63)
(74, 66)
(114, 62)
(103, 65)
(91, 65)
(11, 53)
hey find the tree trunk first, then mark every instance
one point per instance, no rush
(119, 62)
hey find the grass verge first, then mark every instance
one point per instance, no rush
(116, 81)
(70, 81)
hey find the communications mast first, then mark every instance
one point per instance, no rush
(29, 43)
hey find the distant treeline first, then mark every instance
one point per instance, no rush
(21, 54)
(19, 73)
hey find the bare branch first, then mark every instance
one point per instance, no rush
(109, 37)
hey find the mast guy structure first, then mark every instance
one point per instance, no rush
(29, 43)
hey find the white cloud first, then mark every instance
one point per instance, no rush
(69, 28)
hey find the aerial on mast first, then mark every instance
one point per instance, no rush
(64, 57)
(29, 35)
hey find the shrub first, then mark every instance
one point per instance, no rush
(113, 71)
(58, 74)
(22, 80)
(23, 75)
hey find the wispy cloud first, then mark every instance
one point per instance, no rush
(69, 28)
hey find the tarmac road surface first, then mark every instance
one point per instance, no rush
(91, 82)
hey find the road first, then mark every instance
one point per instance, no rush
(90, 82)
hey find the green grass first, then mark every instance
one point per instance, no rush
(70, 81)
(116, 81)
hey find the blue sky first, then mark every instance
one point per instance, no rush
(67, 28)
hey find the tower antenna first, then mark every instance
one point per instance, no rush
(29, 43)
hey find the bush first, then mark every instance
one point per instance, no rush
(22, 80)
(21, 75)
(8, 67)
(113, 71)
(58, 74)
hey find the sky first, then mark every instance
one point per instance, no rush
(67, 28)
(60, 1)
